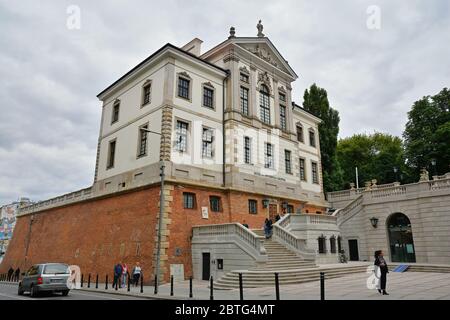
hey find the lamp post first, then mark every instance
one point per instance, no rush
(161, 211)
(395, 172)
(433, 163)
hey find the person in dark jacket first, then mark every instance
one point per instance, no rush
(10, 273)
(381, 263)
(117, 274)
(17, 275)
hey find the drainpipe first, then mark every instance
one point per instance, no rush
(223, 127)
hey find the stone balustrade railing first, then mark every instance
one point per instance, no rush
(284, 221)
(291, 241)
(75, 196)
(233, 232)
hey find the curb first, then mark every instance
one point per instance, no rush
(138, 295)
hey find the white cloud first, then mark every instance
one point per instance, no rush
(51, 75)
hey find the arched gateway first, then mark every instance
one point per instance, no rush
(401, 241)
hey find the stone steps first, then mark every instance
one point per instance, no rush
(267, 278)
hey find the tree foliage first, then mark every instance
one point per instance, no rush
(375, 155)
(427, 134)
(315, 101)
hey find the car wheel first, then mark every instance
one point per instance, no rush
(33, 292)
(20, 290)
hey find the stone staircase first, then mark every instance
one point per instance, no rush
(291, 269)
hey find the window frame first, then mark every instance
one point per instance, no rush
(184, 76)
(314, 164)
(178, 134)
(147, 84)
(210, 143)
(300, 161)
(244, 75)
(210, 87)
(194, 200)
(264, 105)
(219, 203)
(312, 138)
(247, 150)
(287, 161)
(268, 156)
(142, 135)
(116, 104)
(283, 117)
(301, 131)
(245, 110)
(110, 160)
(252, 204)
(322, 240)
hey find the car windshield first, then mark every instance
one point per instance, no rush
(56, 269)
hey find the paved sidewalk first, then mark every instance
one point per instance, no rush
(401, 286)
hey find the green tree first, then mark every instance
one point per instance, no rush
(427, 134)
(375, 155)
(316, 102)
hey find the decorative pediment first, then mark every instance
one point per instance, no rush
(184, 74)
(282, 90)
(208, 84)
(244, 70)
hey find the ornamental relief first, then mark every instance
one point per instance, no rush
(263, 78)
(263, 53)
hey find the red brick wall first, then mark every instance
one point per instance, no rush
(94, 235)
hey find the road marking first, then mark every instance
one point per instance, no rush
(13, 297)
(93, 295)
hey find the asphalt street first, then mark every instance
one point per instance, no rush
(9, 292)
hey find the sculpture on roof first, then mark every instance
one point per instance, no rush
(260, 27)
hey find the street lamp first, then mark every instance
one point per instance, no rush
(374, 222)
(433, 163)
(161, 212)
(395, 172)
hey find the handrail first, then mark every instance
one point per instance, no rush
(291, 241)
(284, 221)
(233, 229)
(349, 207)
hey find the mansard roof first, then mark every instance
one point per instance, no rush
(262, 47)
(167, 46)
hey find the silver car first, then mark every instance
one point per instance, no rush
(45, 278)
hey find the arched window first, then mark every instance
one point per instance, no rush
(322, 244)
(264, 104)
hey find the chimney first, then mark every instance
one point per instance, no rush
(193, 46)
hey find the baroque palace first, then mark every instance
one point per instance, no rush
(233, 147)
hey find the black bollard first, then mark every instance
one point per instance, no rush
(89, 280)
(129, 284)
(322, 286)
(96, 282)
(117, 283)
(277, 287)
(171, 285)
(191, 295)
(82, 280)
(241, 288)
(156, 284)
(211, 288)
(106, 283)
(142, 283)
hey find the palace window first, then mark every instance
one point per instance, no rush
(290, 208)
(302, 169)
(111, 154)
(312, 138)
(282, 97)
(115, 112)
(146, 94)
(181, 140)
(244, 100)
(244, 77)
(247, 150)
(252, 206)
(300, 133)
(268, 156)
(283, 118)
(208, 97)
(183, 87)
(333, 244)
(207, 143)
(142, 150)
(188, 200)
(287, 161)
(339, 244)
(264, 104)
(322, 244)
(315, 173)
(214, 203)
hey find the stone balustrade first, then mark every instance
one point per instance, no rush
(294, 243)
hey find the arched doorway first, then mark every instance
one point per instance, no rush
(401, 240)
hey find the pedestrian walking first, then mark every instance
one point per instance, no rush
(268, 228)
(125, 275)
(10, 274)
(277, 218)
(244, 223)
(117, 274)
(137, 270)
(17, 274)
(383, 268)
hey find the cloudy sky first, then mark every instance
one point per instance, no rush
(50, 75)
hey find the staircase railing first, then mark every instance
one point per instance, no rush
(291, 241)
(285, 221)
(349, 210)
(233, 232)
